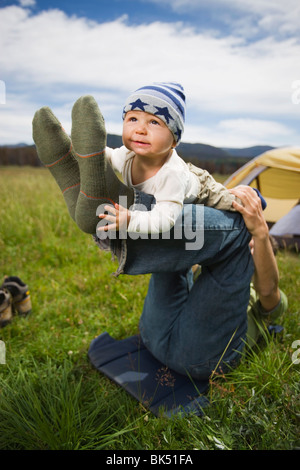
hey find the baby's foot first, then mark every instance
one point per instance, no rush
(54, 149)
(98, 182)
(88, 127)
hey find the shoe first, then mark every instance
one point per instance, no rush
(21, 301)
(5, 308)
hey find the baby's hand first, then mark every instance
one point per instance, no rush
(119, 218)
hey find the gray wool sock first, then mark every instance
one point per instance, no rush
(98, 182)
(55, 151)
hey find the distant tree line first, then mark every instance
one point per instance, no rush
(26, 155)
(19, 155)
(216, 165)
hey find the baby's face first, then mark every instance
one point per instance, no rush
(147, 135)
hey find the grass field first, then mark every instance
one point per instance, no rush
(52, 398)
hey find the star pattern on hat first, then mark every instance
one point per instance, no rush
(138, 104)
(164, 112)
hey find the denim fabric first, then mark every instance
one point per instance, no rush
(194, 328)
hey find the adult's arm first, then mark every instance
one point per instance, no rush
(266, 275)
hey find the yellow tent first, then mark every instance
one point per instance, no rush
(276, 174)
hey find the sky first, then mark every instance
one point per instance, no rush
(238, 61)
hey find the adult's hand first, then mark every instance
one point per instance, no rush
(251, 210)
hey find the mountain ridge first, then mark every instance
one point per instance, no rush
(213, 159)
(203, 151)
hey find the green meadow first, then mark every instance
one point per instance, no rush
(51, 398)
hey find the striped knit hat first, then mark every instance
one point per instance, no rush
(165, 100)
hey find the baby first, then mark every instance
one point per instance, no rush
(83, 166)
(153, 123)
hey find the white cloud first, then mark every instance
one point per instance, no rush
(51, 58)
(242, 133)
(27, 3)
(248, 17)
(253, 131)
(15, 119)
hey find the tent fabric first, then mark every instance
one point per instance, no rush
(287, 230)
(284, 159)
(289, 224)
(278, 208)
(276, 174)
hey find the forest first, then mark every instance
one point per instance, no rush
(208, 157)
